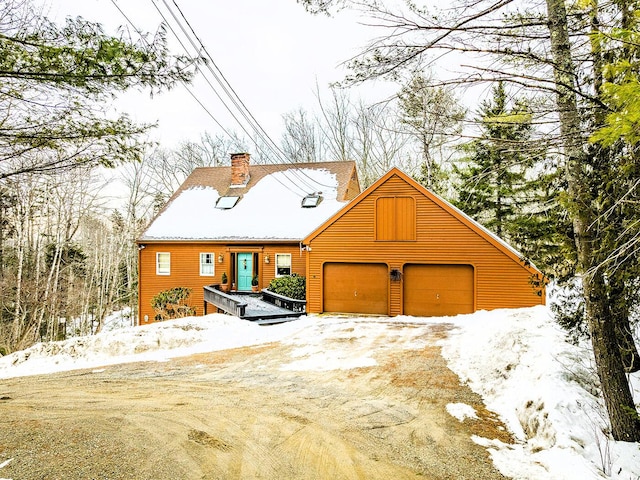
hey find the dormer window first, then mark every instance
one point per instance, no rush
(312, 200)
(225, 203)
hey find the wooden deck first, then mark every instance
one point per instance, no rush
(252, 306)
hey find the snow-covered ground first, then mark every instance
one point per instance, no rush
(517, 360)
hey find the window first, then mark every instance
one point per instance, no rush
(311, 201)
(395, 218)
(163, 263)
(206, 264)
(283, 264)
(225, 203)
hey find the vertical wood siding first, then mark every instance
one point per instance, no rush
(185, 270)
(441, 238)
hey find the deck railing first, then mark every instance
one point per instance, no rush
(223, 301)
(284, 302)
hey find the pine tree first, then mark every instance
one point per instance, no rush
(508, 185)
(56, 82)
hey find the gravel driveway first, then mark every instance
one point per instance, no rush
(246, 414)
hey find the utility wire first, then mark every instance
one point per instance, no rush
(232, 95)
(193, 94)
(185, 85)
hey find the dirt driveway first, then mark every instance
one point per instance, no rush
(239, 414)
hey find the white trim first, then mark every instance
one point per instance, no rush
(276, 264)
(158, 269)
(212, 264)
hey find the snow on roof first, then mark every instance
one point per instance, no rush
(272, 210)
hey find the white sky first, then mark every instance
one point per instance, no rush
(271, 52)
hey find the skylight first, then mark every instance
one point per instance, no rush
(225, 203)
(311, 201)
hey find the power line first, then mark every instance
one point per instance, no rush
(239, 102)
(231, 93)
(189, 90)
(185, 85)
(233, 96)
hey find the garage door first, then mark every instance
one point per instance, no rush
(434, 290)
(355, 288)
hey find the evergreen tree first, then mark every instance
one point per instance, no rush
(507, 184)
(55, 84)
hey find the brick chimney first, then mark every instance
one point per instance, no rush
(239, 169)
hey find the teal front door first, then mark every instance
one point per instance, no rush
(245, 271)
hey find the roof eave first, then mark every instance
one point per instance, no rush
(235, 241)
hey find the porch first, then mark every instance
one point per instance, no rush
(263, 308)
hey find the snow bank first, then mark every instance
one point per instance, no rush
(155, 342)
(544, 389)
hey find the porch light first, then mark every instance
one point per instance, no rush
(266, 258)
(220, 258)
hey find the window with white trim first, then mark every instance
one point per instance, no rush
(163, 263)
(283, 264)
(207, 264)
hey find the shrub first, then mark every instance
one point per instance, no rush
(292, 286)
(172, 303)
(567, 305)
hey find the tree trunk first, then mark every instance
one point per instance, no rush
(617, 295)
(624, 335)
(625, 423)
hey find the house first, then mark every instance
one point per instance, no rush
(394, 249)
(244, 220)
(399, 249)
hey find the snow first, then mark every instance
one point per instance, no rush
(270, 210)
(541, 387)
(461, 411)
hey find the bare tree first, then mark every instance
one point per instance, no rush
(433, 117)
(300, 141)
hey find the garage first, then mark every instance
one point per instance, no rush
(436, 290)
(356, 288)
(446, 263)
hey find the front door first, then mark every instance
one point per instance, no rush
(245, 271)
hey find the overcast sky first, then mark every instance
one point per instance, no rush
(271, 52)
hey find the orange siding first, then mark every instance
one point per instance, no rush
(353, 187)
(385, 218)
(441, 238)
(185, 270)
(405, 218)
